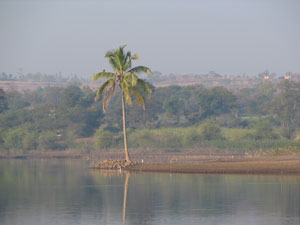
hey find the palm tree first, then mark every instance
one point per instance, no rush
(127, 79)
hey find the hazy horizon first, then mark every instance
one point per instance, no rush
(171, 36)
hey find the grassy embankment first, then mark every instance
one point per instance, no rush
(196, 140)
(234, 140)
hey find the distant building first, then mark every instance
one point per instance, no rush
(266, 77)
(296, 76)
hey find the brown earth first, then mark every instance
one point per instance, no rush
(188, 162)
(230, 167)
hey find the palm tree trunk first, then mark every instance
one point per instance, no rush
(127, 158)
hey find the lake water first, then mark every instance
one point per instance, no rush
(66, 192)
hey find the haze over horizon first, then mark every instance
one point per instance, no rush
(171, 36)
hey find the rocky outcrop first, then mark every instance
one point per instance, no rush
(113, 164)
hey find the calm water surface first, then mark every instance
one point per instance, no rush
(66, 192)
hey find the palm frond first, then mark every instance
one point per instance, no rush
(145, 87)
(124, 76)
(139, 70)
(109, 93)
(109, 54)
(112, 59)
(120, 57)
(138, 96)
(135, 57)
(125, 86)
(105, 85)
(122, 47)
(132, 78)
(102, 75)
(127, 61)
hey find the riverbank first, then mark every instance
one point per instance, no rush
(225, 167)
(183, 162)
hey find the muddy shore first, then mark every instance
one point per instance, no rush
(188, 162)
(217, 167)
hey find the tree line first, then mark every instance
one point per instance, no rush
(54, 118)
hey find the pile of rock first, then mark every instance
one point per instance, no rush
(113, 164)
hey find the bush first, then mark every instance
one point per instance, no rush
(191, 137)
(13, 139)
(287, 149)
(49, 140)
(211, 131)
(289, 132)
(232, 122)
(141, 138)
(103, 139)
(264, 130)
(30, 141)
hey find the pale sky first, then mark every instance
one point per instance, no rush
(171, 36)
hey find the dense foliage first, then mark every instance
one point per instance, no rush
(55, 118)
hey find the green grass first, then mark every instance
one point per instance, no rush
(178, 139)
(232, 134)
(237, 140)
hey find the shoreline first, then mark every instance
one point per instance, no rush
(280, 167)
(183, 162)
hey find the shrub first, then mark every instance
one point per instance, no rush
(13, 139)
(191, 137)
(103, 139)
(142, 138)
(49, 140)
(264, 130)
(288, 132)
(30, 141)
(211, 131)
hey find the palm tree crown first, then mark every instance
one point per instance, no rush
(127, 79)
(124, 76)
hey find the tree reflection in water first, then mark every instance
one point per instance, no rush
(32, 191)
(116, 173)
(125, 196)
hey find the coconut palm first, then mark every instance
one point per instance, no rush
(126, 78)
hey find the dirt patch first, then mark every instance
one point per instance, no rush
(246, 167)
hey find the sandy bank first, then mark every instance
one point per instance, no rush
(245, 167)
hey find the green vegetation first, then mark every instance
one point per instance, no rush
(3, 103)
(176, 119)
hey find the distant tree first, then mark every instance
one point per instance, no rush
(264, 130)
(13, 138)
(286, 104)
(289, 132)
(16, 100)
(215, 101)
(3, 101)
(126, 78)
(71, 95)
(260, 100)
(103, 139)
(56, 96)
(49, 140)
(34, 97)
(211, 131)
(88, 97)
(173, 105)
(30, 140)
